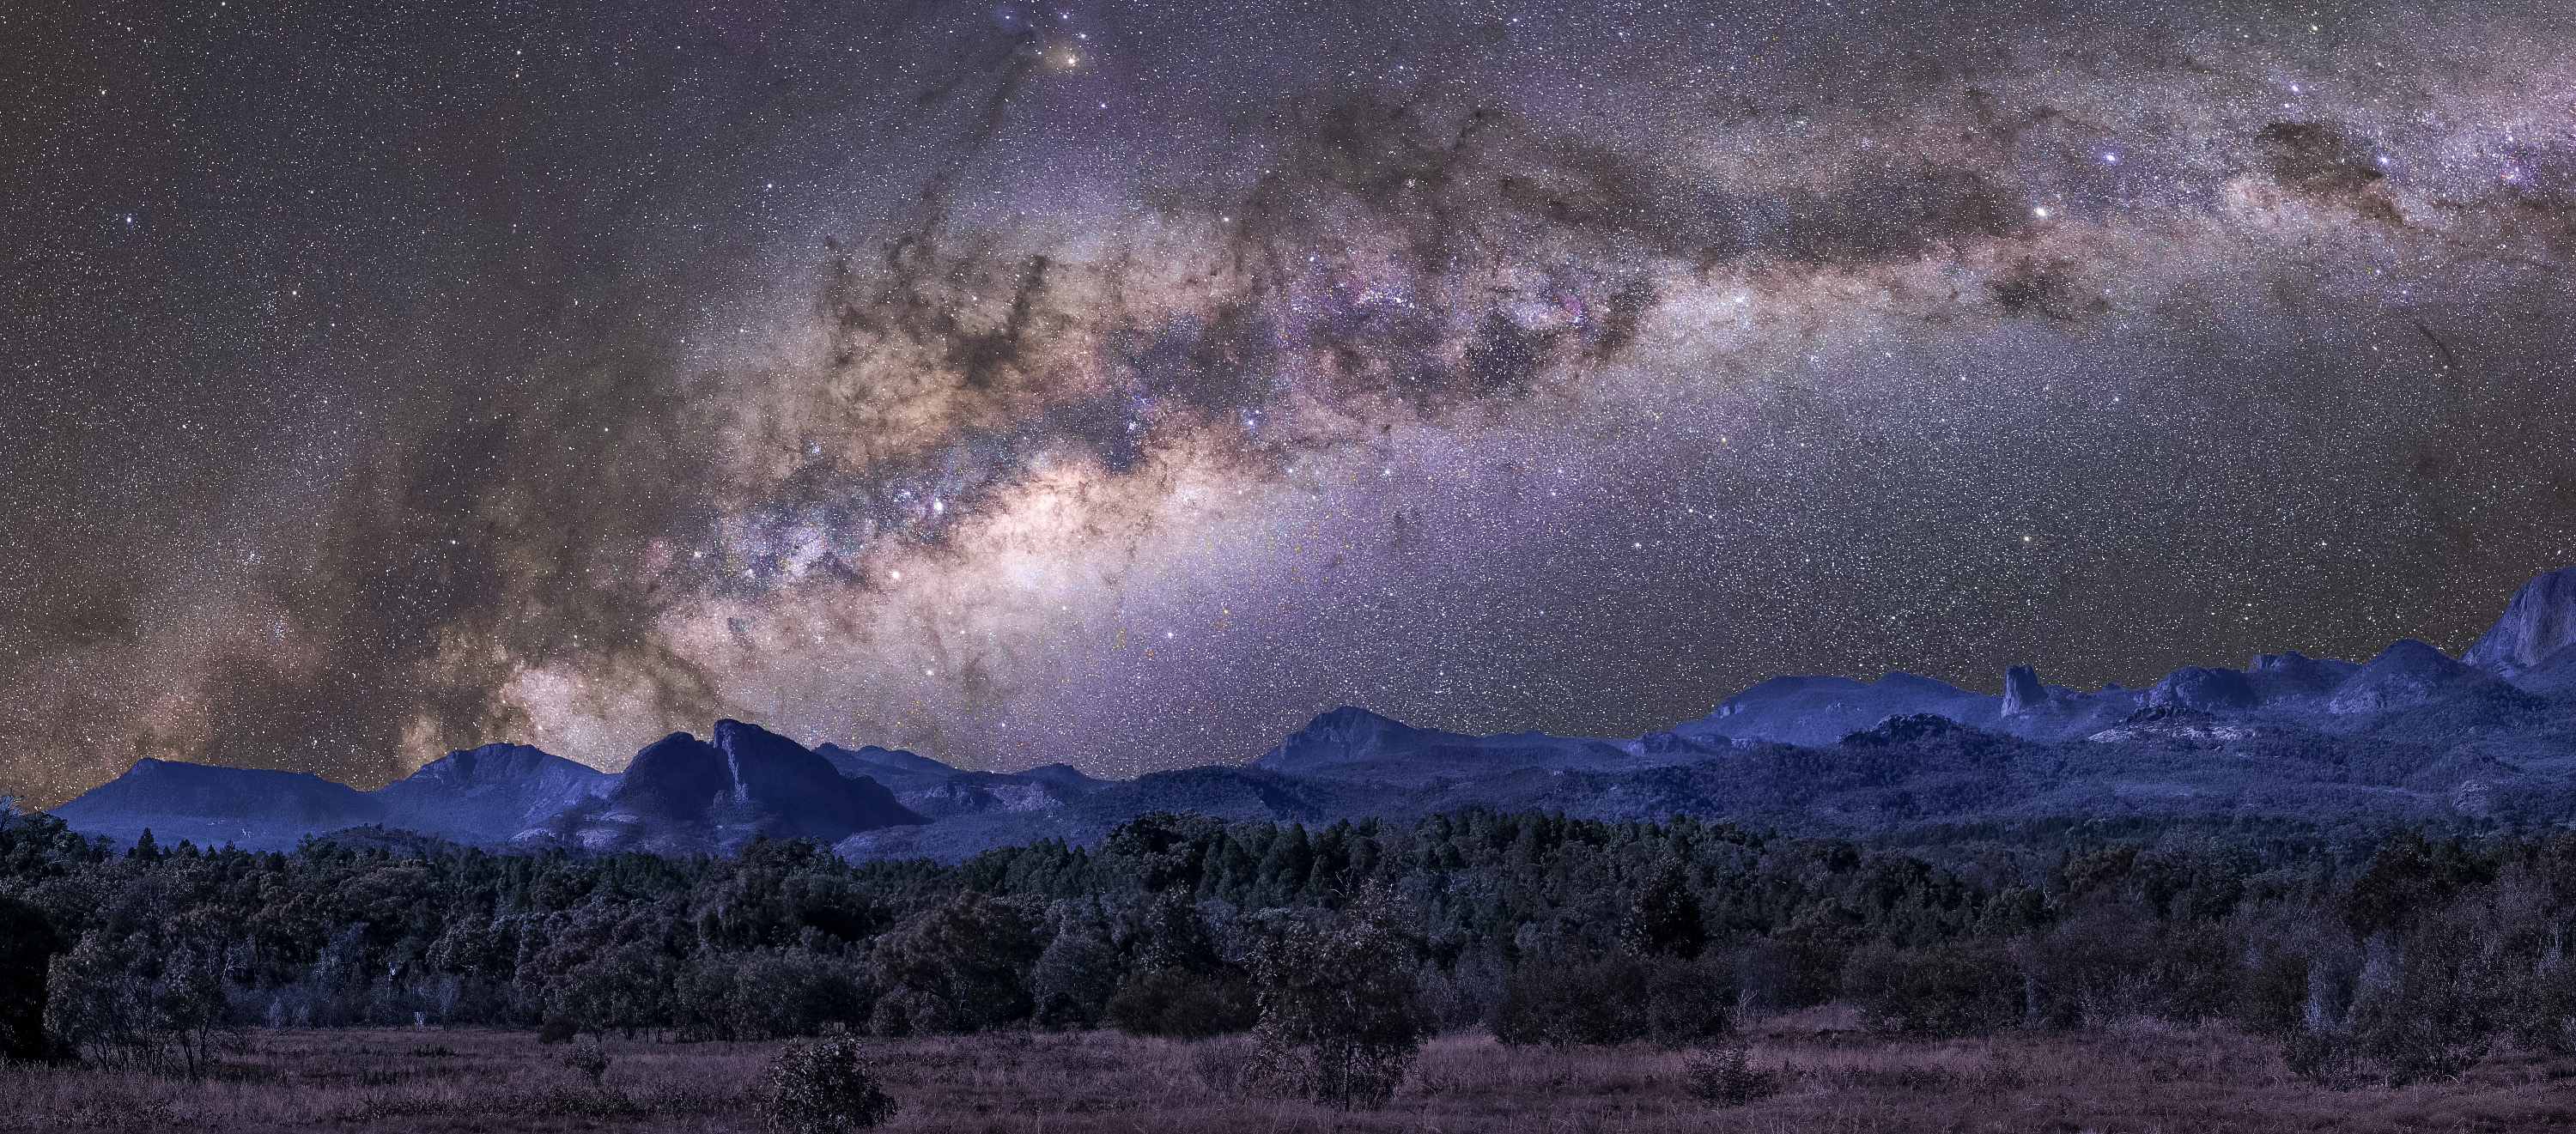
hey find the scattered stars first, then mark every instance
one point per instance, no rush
(1016, 403)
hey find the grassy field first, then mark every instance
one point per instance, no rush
(2142, 1079)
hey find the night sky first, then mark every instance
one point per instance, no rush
(1121, 383)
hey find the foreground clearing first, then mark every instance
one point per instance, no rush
(2137, 1079)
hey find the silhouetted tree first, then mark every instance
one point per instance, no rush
(1341, 1018)
(2430, 1002)
(100, 1001)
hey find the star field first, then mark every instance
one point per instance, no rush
(1121, 383)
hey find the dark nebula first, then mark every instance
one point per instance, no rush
(1122, 383)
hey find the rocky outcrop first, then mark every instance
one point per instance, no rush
(2291, 674)
(673, 780)
(749, 780)
(2539, 621)
(2204, 689)
(1822, 710)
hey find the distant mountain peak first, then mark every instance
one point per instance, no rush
(491, 793)
(487, 762)
(2412, 655)
(1352, 718)
(1345, 733)
(2408, 672)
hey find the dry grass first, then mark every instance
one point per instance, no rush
(2141, 1078)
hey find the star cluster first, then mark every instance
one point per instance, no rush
(1120, 383)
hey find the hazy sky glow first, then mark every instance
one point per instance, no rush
(1122, 383)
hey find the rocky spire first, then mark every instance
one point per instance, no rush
(2022, 690)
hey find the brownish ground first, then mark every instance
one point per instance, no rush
(2139, 1079)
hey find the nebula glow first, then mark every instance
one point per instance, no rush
(1122, 383)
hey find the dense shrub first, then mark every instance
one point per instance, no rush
(133, 1000)
(584, 1056)
(1665, 919)
(822, 1087)
(772, 993)
(1803, 960)
(957, 968)
(1341, 1018)
(1725, 1075)
(2271, 995)
(2429, 1003)
(2327, 1057)
(1952, 988)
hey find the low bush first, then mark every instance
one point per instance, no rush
(1725, 1075)
(823, 1087)
(584, 1055)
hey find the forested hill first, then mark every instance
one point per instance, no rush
(1538, 926)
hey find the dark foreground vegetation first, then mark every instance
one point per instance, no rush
(1473, 968)
(2130, 1079)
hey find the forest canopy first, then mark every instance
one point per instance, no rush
(2399, 958)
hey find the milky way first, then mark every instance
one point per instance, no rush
(1122, 383)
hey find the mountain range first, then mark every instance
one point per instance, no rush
(2410, 736)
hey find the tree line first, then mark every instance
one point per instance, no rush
(2402, 959)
